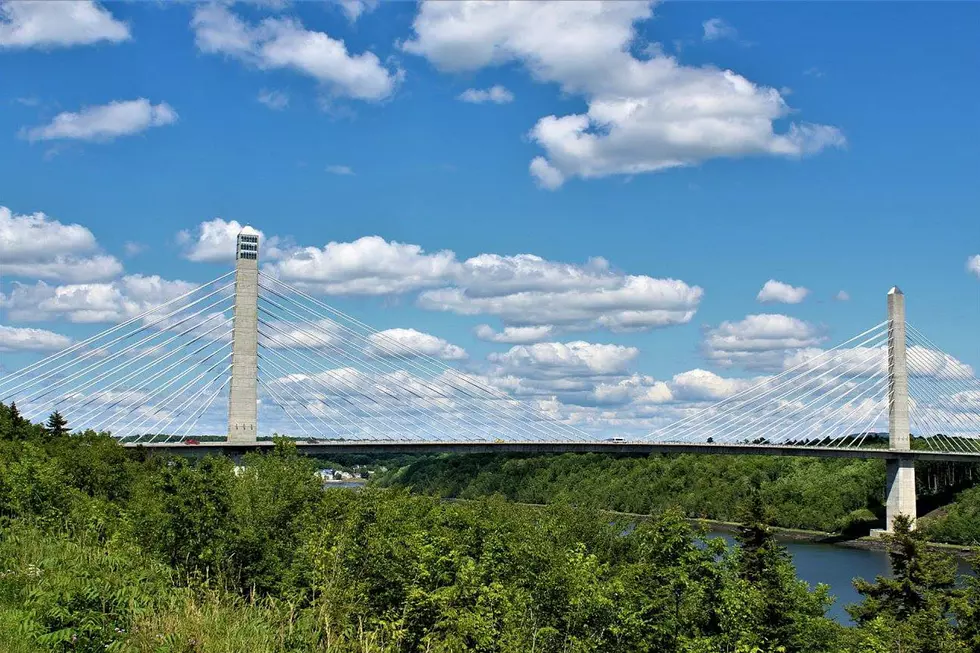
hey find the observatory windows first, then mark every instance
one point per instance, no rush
(248, 246)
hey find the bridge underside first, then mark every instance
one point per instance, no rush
(621, 448)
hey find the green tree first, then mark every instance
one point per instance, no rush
(911, 610)
(789, 617)
(57, 424)
(967, 609)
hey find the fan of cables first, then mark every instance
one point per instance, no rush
(154, 377)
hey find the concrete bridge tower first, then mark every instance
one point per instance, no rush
(243, 394)
(900, 471)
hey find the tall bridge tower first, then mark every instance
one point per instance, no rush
(243, 391)
(900, 482)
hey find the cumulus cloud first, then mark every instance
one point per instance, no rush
(973, 265)
(515, 335)
(340, 170)
(283, 43)
(368, 266)
(635, 389)
(923, 362)
(759, 341)
(214, 241)
(565, 359)
(409, 342)
(275, 100)
(842, 296)
(778, 292)
(523, 290)
(17, 339)
(496, 94)
(44, 24)
(278, 334)
(644, 114)
(90, 302)
(702, 385)
(105, 122)
(36, 246)
(628, 303)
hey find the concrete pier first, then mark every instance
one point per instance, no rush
(243, 395)
(900, 471)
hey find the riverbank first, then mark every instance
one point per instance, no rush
(866, 543)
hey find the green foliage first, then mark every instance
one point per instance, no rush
(57, 425)
(960, 522)
(75, 594)
(824, 494)
(911, 610)
(105, 549)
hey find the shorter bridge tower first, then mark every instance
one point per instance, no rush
(900, 471)
(243, 393)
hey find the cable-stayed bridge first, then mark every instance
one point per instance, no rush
(247, 355)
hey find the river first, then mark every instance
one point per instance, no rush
(837, 566)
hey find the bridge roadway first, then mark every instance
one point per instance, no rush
(632, 448)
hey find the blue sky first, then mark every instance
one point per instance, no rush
(836, 155)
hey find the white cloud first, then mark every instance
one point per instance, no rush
(105, 122)
(356, 8)
(496, 94)
(524, 290)
(214, 241)
(579, 300)
(283, 43)
(17, 339)
(565, 359)
(635, 389)
(973, 265)
(90, 302)
(67, 268)
(46, 24)
(340, 170)
(515, 335)
(285, 335)
(409, 342)
(716, 29)
(38, 247)
(866, 361)
(842, 296)
(545, 175)
(643, 115)
(368, 266)
(783, 293)
(759, 341)
(702, 385)
(275, 100)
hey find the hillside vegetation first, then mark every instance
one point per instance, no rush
(103, 549)
(827, 494)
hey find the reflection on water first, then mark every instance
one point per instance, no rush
(347, 484)
(837, 566)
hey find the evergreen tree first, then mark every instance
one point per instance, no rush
(57, 424)
(915, 605)
(16, 419)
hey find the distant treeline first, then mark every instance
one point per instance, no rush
(827, 494)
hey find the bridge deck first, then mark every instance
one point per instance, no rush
(640, 448)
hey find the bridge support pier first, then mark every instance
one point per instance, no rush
(900, 488)
(900, 471)
(243, 393)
